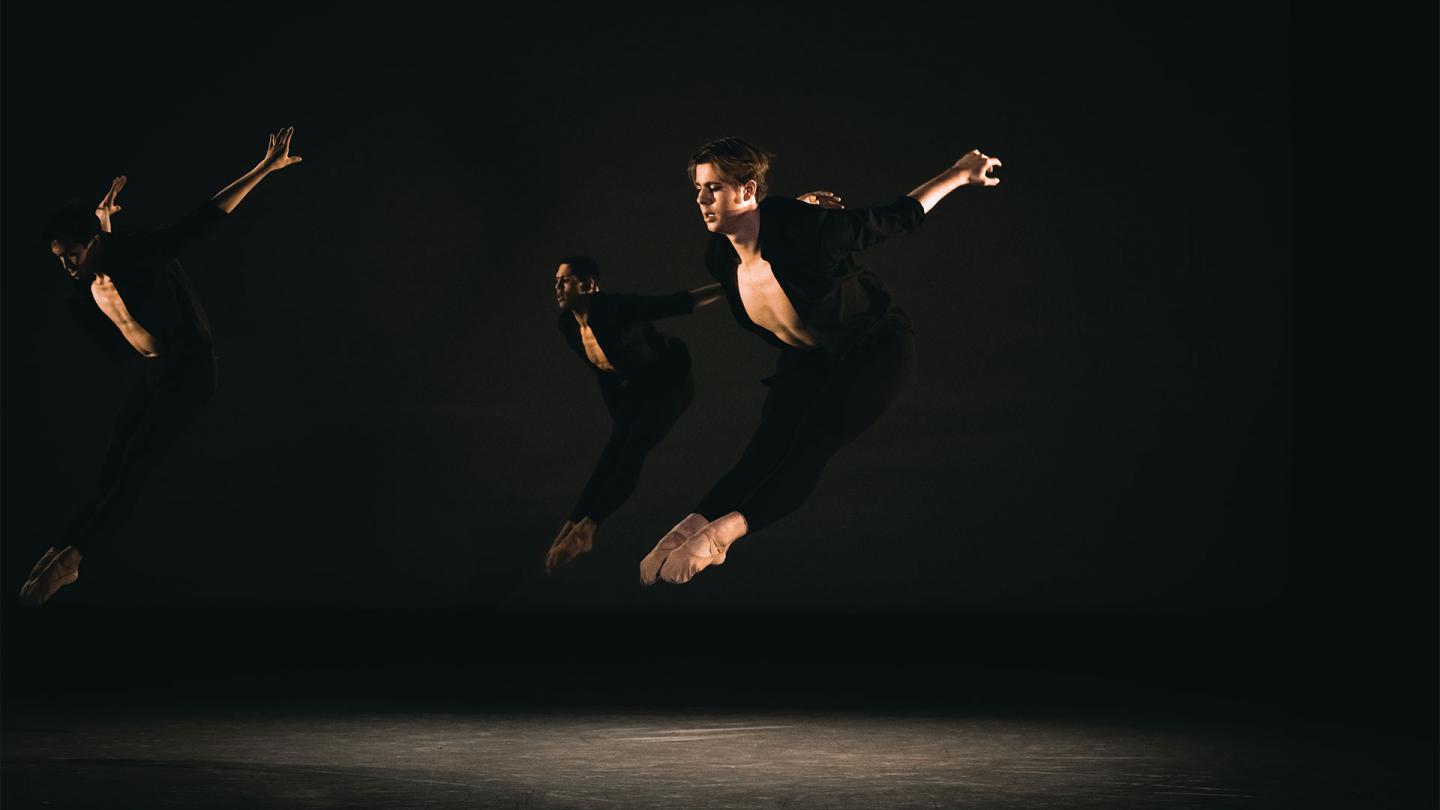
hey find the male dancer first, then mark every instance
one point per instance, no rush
(845, 349)
(135, 300)
(644, 379)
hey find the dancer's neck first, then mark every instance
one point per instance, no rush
(745, 235)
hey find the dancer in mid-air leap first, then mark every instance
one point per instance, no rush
(644, 379)
(135, 300)
(846, 350)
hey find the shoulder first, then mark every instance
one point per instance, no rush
(610, 310)
(604, 304)
(784, 220)
(780, 203)
(786, 208)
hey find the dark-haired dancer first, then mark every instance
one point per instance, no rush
(845, 349)
(135, 300)
(644, 379)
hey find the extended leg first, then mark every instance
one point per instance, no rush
(855, 395)
(855, 391)
(636, 432)
(154, 414)
(791, 392)
(786, 404)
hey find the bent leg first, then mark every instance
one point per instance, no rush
(636, 432)
(155, 413)
(856, 392)
(789, 399)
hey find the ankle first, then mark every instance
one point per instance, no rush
(727, 529)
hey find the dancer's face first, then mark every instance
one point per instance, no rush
(721, 200)
(74, 257)
(569, 290)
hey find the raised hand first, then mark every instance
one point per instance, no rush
(108, 207)
(277, 156)
(824, 199)
(277, 153)
(974, 167)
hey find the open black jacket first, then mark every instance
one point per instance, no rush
(146, 271)
(810, 249)
(641, 355)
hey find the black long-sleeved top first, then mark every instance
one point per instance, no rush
(622, 326)
(810, 249)
(146, 271)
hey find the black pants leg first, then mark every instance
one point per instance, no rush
(641, 420)
(166, 398)
(815, 407)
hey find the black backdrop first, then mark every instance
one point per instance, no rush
(1173, 434)
(1102, 417)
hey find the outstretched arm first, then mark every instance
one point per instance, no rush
(970, 170)
(709, 294)
(107, 207)
(203, 219)
(277, 156)
(824, 199)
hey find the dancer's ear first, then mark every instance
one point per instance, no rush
(747, 191)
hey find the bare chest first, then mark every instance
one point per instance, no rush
(593, 352)
(767, 304)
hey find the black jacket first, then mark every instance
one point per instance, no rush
(641, 355)
(810, 250)
(146, 272)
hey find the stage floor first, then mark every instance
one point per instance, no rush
(248, 757)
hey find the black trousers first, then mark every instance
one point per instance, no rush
(642, 416)
(817, 404)
(167, 395)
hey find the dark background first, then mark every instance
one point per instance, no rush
(1107, 452)
(1102, 416)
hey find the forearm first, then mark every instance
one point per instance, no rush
(932, 191)
(229, 197)
(709, 294)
